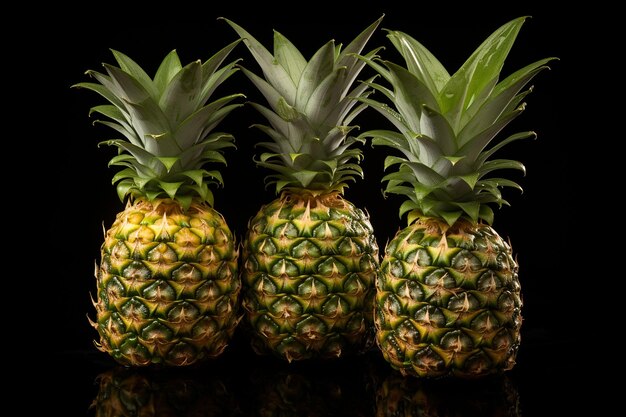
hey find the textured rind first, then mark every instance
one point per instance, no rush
(448, 301)
(308, 271)
(168, 285)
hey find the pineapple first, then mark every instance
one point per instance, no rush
(309, 257)
(448, 299)
(167, 282)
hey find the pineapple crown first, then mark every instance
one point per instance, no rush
(445, 123)
(167, 125)
(311, 105)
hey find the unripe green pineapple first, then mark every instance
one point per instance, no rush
(309, 257)
(167, 283)
(448, 296)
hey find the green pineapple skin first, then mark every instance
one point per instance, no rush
(448, 301)
(168, 285)
(308, 271)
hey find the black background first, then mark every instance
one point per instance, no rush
(81, 199)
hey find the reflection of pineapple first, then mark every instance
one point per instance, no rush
(125, 392)
(167, 282)
(399, 396)
(448, 297)
(310, 257)
(322, 389)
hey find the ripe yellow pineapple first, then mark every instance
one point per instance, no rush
(448, 295)
(167, 281)
(310, 257)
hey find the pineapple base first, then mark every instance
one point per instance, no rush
(448, 301)
(167, 285)
(309, 266)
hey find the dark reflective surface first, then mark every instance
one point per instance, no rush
(130, 392)
(241, 383)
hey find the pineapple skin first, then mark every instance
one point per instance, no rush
(167, 285)
(309, 264)
(448, 301)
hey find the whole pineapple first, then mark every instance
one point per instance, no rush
(310, 257)
(167, 283)
(448, 296)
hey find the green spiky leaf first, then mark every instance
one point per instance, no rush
(310, 105)
(166, 124)
(447, 127)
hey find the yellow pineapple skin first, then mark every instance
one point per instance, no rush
(309, 263)
(448, 301)
(167, 285)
